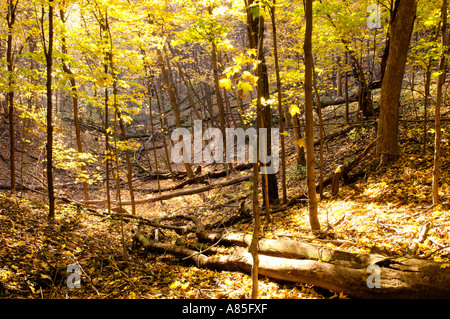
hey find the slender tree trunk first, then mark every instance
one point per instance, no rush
(309, 130)
(347, 120)
(218, 96)
(255, 28)
(437, 109)
(11, 17)
(121, 124)
(176, 111)
(427, 98)
(321, 132)
(256, 229)
(117, 179)
(152, 127)
(74, 95)
(425, 105)
(280, 104)
(301, 157)
(400, 36)
(161, 124)
(339, 77)
(49, 61)
(107, 146)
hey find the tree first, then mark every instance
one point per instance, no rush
(437, 109)
(309, 129)
(10, 21)
(255, 29)
(400, 35)
(175, 107)
(48, 52)
(74, 94)
(281, 107)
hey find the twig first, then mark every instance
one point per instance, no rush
(90, 280)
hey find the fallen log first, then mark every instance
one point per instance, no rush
(393, 278)
(328, 101)
(336, 134)
(343, 170)
(294, 249)
(199, 179)
(173, 194)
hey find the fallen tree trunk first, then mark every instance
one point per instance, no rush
(174, 194)
(408, 278)
(343, 170)
(199, 179)
(328, 101)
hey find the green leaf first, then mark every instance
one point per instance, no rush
(255, 12)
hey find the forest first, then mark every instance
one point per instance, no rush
(224, 149)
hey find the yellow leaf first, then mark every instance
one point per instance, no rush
(301, 142)
(21, 243)
(184, 286)
(44, 276)
(294, 109)
(225, 83)
(445, 265)
(245, 87)
(174, 285)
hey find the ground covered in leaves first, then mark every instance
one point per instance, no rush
(384, 208)
(35, 254)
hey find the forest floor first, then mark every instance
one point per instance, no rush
(385, 208)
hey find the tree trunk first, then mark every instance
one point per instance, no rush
(341, 272)
(176, 194)
(321, 132)
(309, 130)
(11, 19)
(281, 119)
(301, 158)
(161, 124)
(74, 95)
(220, 107)
(48, 50)
(347, 120)
(176, 110)
(402, 25)
(255, 28)
(437, 109)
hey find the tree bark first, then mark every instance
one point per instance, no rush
(173, 100)
(281, 107)
(255, 28)
(48, 50)
(437, 109)
(176, 194)
(338, 271)
(74, 95)
(387, 147)
(309, 130)
(10, 20)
